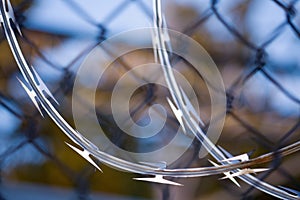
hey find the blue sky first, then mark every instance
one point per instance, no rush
(284, 51)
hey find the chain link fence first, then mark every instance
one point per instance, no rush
(255, 45)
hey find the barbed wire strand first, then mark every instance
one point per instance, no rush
(259, 66)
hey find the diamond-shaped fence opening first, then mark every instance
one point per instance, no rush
(255, 45)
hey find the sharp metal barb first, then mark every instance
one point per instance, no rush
(36, 89)
(185, 115)
(43, 86)
(244, 172)
(158, 179)
(32, 96)
(86, 155)
(178, 114)
(227, 174)
(240, 158)
(38, 86)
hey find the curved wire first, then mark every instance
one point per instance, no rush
(163, 43)
(38, 93)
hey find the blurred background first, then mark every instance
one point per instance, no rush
(254, 43)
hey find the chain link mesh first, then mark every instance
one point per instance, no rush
(255, 44)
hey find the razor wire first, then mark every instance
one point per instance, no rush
(260, 61)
